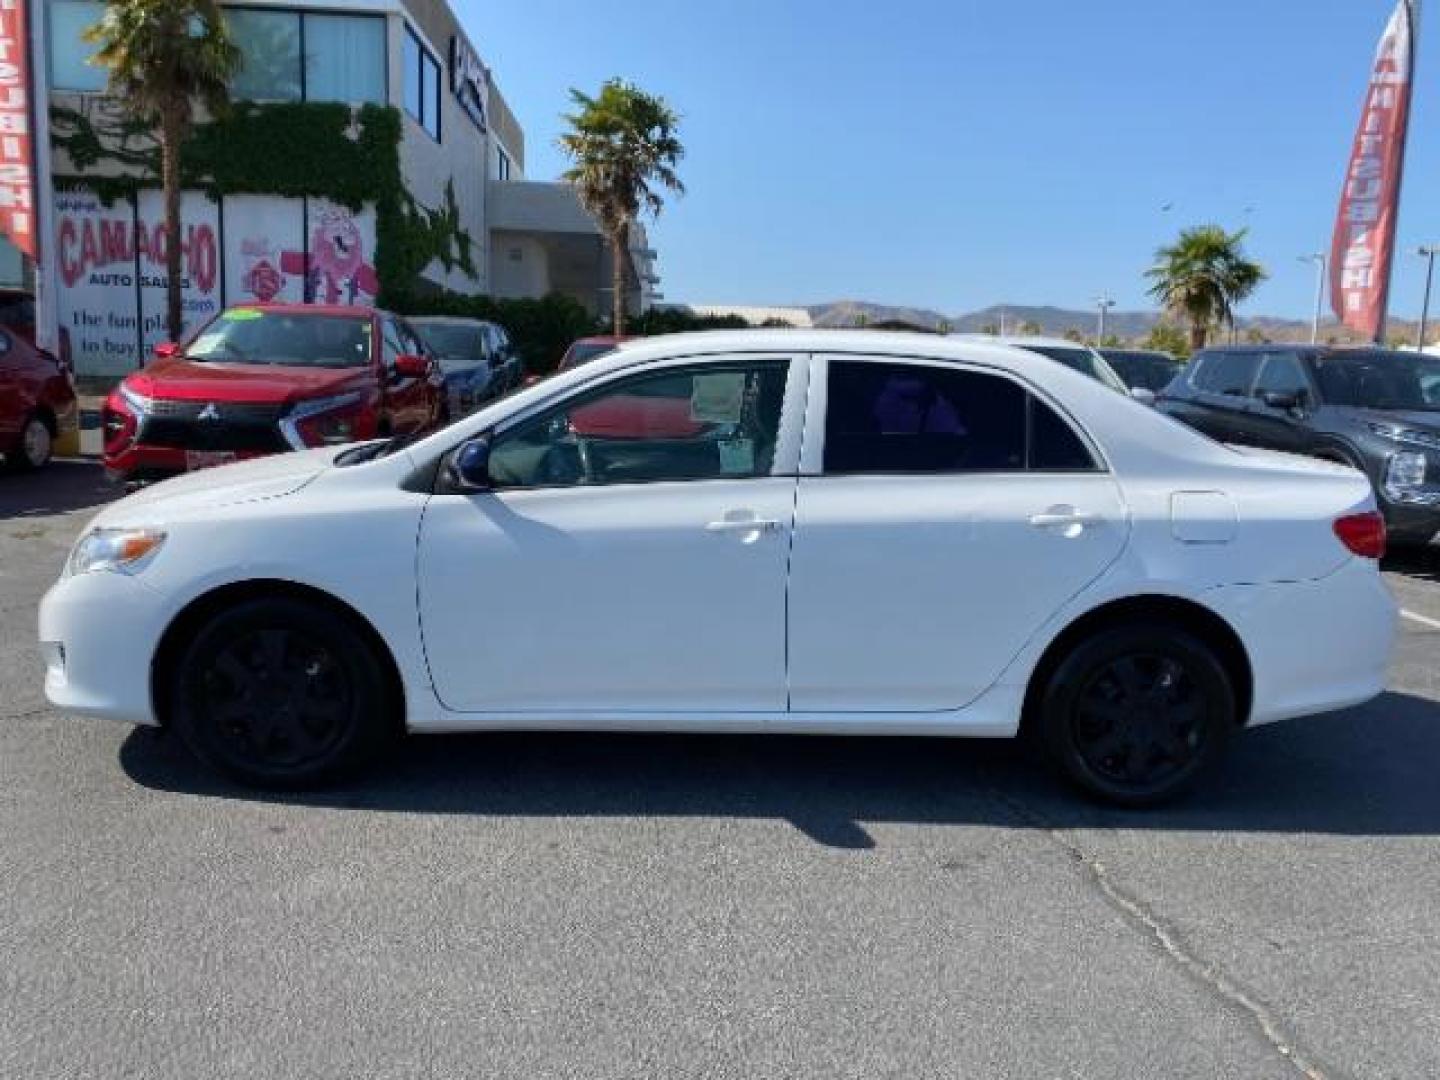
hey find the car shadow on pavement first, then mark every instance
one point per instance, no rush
(60, 487)
(1366, 771)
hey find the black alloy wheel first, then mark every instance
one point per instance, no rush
(1136, 713)
(281, 693)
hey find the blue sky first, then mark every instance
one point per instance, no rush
(953, 155)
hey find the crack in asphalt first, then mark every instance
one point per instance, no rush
(1139, 914)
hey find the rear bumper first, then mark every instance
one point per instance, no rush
(1314, 646)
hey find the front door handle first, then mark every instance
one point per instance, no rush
(1066, 518)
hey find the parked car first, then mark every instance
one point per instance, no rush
(1144, 368)
(1073, 354)
(17, 315)
(476, 357)
(864, 534)
(1375, 410)
(264, 379)
(589, 348)
(37, 403)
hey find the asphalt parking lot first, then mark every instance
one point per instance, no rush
(558, 906)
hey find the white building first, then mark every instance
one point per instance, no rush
(290, 204)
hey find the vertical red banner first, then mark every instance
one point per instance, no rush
(17, 164)
(1370, 202)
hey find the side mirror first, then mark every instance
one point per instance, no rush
(469, 467)
(1277, 400)
(412, 366)
(1142, 395)
(166, 349)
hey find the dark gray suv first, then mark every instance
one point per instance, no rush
(1375, 409)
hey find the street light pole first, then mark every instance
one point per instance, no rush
(1321, 261)
(1428, 253)
(1104, 303)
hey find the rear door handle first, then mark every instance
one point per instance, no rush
(743, 525)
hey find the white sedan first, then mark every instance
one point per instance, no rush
(812, 532)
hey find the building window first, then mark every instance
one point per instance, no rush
(269, 44)
(502, 164)
(70, 67)
(287, 56)
(345, 58)
(422, 85)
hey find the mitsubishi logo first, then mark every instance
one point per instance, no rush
(210, 412)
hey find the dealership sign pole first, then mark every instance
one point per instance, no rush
(1364, 248)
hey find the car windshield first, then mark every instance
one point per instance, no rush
(584, 352)
(1380, 380)
(456, 345)
(291, 339)
(1084, 361)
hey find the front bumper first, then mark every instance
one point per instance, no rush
(1409, 524)
(1314, 646)
(98, 634)
(139, 463)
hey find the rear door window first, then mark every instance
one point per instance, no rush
(913, 418)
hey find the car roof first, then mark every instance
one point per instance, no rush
(310, 309)
(1159, 354)
(603, 339)
(1021, 341)
(880, 344)
(447, 320)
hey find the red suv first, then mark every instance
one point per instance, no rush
(37, 403)
(265, 379)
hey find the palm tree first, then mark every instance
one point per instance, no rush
(163, 56)
(624, 144)
(1202, 277)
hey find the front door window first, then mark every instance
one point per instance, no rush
(705, 423)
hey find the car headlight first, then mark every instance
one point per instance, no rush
(138, 402)
(126, 551)
(322, 421)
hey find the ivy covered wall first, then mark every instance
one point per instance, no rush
(331, 151)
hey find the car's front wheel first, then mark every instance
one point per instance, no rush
(1135, 713)
(281, 693)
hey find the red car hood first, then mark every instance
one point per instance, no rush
(179, 379)
(627, 416)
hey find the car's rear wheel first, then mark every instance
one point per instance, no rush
(1135, 713)
(281, 693)
(34, 447)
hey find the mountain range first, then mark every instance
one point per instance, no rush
(1055, 321)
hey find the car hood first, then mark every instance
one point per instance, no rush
(1417, 418)
(228, 485)
(179, 379)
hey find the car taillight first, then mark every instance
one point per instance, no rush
(1362, 534)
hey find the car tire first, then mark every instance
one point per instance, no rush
(1135, 714)
(283, 694)
(34, 446)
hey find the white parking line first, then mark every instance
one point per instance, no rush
(1423, 620)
